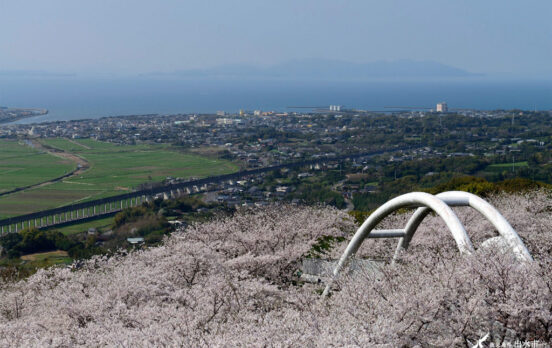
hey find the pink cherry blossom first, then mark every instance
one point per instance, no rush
(234, 281)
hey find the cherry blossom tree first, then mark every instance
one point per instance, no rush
(234, 281)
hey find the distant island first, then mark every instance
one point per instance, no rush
(14, 114)
(328, 69)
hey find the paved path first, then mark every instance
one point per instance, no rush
(350, 206)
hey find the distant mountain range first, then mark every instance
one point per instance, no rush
(309, 69)
(33, 73)
(328, 69)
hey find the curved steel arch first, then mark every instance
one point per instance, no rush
(460, 198)
(407, 200)
(441, 205)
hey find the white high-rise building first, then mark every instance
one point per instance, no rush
(441, 107)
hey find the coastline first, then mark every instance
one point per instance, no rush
(8, 115)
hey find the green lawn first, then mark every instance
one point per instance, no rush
(21, 165)
(114, 169)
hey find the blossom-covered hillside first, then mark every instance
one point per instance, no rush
(233, 282)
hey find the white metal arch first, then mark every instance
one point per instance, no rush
(415, 199)
(460, 198)
(441, 205)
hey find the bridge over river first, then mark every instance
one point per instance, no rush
(111, 205)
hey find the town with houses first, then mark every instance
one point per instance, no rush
(260, 139)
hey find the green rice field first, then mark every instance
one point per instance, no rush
(21, 165)
(114, 169)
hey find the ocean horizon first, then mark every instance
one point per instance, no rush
(71, 98)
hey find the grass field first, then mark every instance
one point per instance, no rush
(53, 255)
(32, 262)
(114, 169)
(499, 167)
(29, 264)
(21, 165)
(101, 224)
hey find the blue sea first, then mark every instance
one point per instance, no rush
(69, 98)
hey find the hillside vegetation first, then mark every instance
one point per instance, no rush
(234, 281)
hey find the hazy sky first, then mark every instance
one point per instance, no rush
(487, 36)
